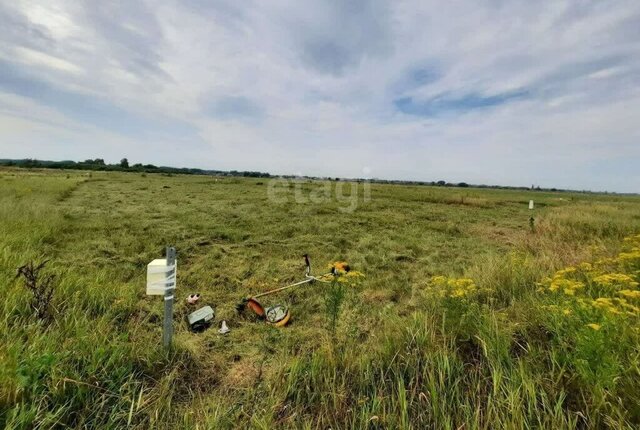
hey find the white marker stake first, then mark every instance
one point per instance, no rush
(170, 287)
(530, 204)
(161, 281)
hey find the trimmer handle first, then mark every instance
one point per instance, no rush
(308, 264)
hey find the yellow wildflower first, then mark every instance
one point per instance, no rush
(605, 304)
(439, 280)
(458, 293)
(567, 285)
(630, 257)
(594, 326)
(585, 267)
(630, 294)
(352, 277)
(453, 287)
(615, 279)
(607, 261)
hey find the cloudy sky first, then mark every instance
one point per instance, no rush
(500, 92)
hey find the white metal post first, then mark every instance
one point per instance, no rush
(169, 291)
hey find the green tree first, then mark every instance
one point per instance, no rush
(124, 163)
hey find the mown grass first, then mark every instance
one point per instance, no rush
(403, 353)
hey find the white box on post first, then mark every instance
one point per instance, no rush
(157, 278)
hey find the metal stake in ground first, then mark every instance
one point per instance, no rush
(167, 331)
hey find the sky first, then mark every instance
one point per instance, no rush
(485, 92)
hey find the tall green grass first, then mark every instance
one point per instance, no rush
(395, 355)
(92, 367)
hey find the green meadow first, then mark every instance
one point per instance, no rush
(466, 316)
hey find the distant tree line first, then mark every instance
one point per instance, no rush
(464, 185)
(123, 166)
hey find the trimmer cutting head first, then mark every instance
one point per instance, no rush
(278, 315)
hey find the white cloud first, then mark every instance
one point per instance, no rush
(312, 86)
(50, 16)
(35, 58)
(606, 73)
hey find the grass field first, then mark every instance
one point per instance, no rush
(464, 319)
